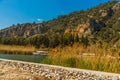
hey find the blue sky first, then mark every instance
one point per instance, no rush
(22, 11)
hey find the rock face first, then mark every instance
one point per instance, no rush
(106, 12)
(87, 28)
(116, 7)
(24, 30)
(57, 72)
(27, 30)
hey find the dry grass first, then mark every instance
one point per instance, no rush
(105, 59)
(17, 49)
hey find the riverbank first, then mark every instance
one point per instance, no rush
(50, 72)
(17, 49)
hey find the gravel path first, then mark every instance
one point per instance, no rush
(8, 73)
(19, 70)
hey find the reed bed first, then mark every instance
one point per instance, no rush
(105, 59)
(17, 49)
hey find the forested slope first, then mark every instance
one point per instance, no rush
(100, 23)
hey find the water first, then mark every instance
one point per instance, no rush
(20, 57)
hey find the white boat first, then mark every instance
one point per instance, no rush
(40, 53)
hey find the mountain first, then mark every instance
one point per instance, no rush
(101, 23)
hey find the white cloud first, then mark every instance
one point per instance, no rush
(40, 20)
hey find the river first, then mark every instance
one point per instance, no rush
(29, 58)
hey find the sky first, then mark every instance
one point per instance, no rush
(23, 11)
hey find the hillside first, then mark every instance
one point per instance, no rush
(99, 23)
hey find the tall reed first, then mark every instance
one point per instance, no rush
(17, 49)
(103, 60)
